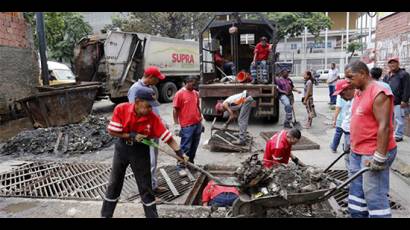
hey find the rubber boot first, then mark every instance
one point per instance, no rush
(107, 209)
(150, 211)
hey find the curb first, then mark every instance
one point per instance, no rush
(401, 167)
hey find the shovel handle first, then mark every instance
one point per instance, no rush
(155, 145)
(332, 191)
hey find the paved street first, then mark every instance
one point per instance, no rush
(321, 133)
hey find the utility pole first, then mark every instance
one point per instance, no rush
(42, 47)
(347, 35)
(326, 45)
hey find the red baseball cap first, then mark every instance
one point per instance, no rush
(394, 58)
(340, 86)
(154, 71)
(219, 107)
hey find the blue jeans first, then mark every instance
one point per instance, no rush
(331, 91)
(229, 68)
(336, 138)
(223, 200)
(288, 107)
(263, 65)
(368, 193)
(190, 137)
(399, 118)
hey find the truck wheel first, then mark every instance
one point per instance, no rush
(275, 117)
(168, 90)
(156, 91)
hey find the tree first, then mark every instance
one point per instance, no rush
(169, 24)
(292, 24)
(63, 30)
(353, 46)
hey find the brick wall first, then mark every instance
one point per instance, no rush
(393, 39)
(19, 69)
(13, 30)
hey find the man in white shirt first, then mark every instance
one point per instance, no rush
(332, 78)
(241, 102)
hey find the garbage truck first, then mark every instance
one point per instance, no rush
(118, 59)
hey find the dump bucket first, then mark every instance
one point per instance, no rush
(243, 77)
(62, 105)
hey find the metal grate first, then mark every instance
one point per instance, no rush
(303, 144)
(342, 196)
(76, 181)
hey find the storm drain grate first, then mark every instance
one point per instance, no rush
(77, 181)
(341, 197)
(303, 144)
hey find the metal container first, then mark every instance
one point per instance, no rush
(58, 106)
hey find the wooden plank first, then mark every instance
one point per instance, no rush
(169, 182)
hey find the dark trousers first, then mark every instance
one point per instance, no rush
(224, 199)
(138, 156)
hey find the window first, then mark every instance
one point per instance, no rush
(293, 46)
(248, 39)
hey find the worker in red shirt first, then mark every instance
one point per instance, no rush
(278, 148)
(372, 144)
(227, 66)
(260, 57)
(219, 196)
(131, 123)
(187, 120)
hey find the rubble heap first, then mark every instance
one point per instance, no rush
(280, 180)
(88, 136)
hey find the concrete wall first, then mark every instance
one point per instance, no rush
(393, 39)
(19, 69)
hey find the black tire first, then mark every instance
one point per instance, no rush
(168, 91)
(156, 91)
(118, 100)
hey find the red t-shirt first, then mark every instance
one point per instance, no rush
(219, 60)
(187, 103)
(212, 190)
(364, 126)
(124, 120)
(262, 52)
(277, 150)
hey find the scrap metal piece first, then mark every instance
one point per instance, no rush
(60, 134)
(225, 140)
(169, 182)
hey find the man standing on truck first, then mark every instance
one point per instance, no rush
(152, 75)
(285, 88)
(241, 102)
(187, 120)
(260, 57)
(227, 66)
(131, 123)
(372, 144)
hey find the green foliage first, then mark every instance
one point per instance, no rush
(168, 24)
(63, 30)
(292, 24)
(353, 46)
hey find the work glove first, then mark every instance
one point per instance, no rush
(298, 162)
(136, 136)
(378, 163)
(177, 130)
(181, 154)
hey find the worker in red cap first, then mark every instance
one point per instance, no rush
(131, 123)
(152, 75)
(241, 102)
(399, 81)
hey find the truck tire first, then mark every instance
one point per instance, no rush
(275, 117)
(156, 91)
(118, 100)
(168, 91)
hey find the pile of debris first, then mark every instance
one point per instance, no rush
(281, 180)
(88, 136)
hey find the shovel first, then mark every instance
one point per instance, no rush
(227, 182)
(296, 124)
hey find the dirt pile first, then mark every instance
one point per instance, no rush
(88, 136)
(281, 180)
